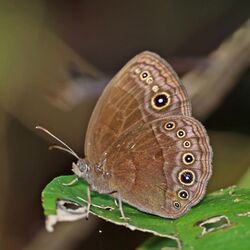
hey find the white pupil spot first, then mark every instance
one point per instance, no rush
(187, 144)
(160, 100)
(145, 75)
(169, 125)
(181, 133)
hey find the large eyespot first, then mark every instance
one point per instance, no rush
(188, 158)
(186, 177)
(177, 205)
(183, 194)
(160, 100)
(181, 133)
(144, 75)
(169, 125)
(186, 144)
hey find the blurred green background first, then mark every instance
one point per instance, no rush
(50, 51)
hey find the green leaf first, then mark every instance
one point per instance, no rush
(221, 220)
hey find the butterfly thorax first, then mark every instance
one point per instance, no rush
(94, 174)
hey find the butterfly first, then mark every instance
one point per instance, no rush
(142, 144)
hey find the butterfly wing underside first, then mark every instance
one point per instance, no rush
(127, 100)
(150, 166)
(144, 156)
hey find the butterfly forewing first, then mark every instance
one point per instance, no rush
(146, 88)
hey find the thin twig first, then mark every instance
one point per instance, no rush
(208, 85)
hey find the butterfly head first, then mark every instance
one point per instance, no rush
(80, 169)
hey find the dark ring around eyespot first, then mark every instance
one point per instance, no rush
(183, 194)
(176, 205)
(144, 75)
(169, 125)
(186, 177)
(181, 133)
(160, 100)
(187, 144)
(188, 158)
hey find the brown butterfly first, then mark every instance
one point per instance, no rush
(142, 144)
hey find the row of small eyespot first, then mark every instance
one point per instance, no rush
(160, 100)
(182, 194)
(187, 158)
(144, 76)
(186, 177)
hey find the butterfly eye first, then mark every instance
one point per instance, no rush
(188, 158)
(186, 144)
(160, 101)
(144, 75)
(186, 177)
(177, 205)
(169, 125)
(183, 194)
(181, 133)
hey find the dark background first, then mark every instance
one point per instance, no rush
(46, 47)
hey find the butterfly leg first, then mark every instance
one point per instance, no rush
(88, 202)
(116, 203)
(121, 209)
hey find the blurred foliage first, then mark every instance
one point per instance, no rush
(245, 181)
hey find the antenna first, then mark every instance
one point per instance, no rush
(66, 148)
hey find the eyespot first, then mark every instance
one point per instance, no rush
(188, 158)
(160, 101)
(137, 71)
(149, 80)
(177, 205)
(183, 194)
(181, 133)
(144, 75)
(186, 144)
(169, 125)
(155, 88)
(186, 177)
